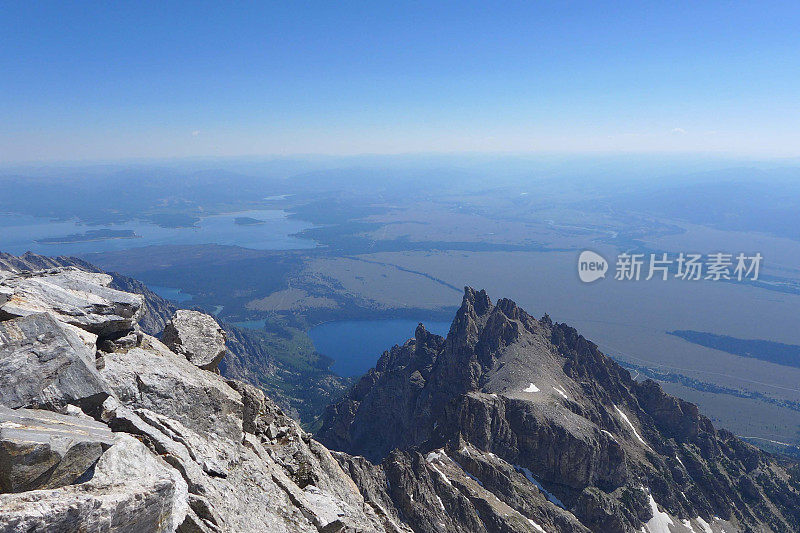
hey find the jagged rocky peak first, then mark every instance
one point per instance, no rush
(105, 428)
(518, 424)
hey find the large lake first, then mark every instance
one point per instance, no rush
(356, 345)
(19, 233)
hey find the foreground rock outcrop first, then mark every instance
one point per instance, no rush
(48, 364)
(517, 424)
(105, 428)
(76, 297)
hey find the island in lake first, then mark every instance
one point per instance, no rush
(248, 221)
(91, 235)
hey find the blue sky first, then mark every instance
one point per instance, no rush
(110, 80)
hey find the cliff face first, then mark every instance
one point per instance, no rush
(105, 428)
(518, 424)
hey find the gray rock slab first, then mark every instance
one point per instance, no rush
(45, 363)
(42, 450)
(79, 298)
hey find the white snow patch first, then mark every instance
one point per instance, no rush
(532, 388)
(660, 522)
(561, 392)
(630, 424)
(528, 474)
(679, 460)
(437, 456)
(440, 503)
(432, 456)
(536, 526)
(444, 478)
(705, 525)
(608, 433)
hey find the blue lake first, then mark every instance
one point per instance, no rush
(356, 345)
(174, 295)
(20, 233)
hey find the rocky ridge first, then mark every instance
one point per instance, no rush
(517, 424)
(105, 428)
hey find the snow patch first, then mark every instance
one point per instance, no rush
(536, 526)
(630, 424)
(532, 388)
(444, 478)
(528, 474)
(705, 525)
(660, 522)
(608, 433)
(433, 456)
(561, 392)
(440, 503)
(437, 456)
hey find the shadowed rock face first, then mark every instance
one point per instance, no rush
(524, 413)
